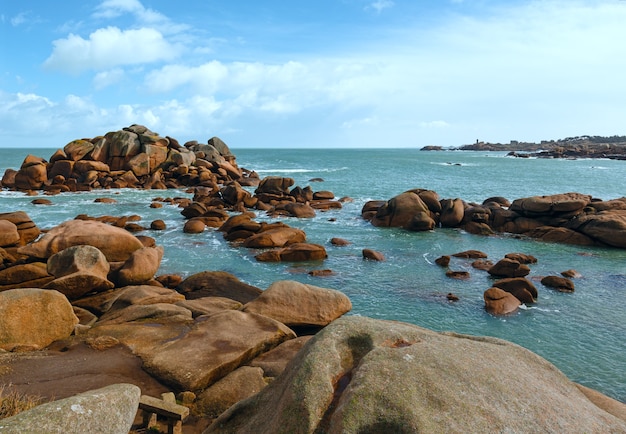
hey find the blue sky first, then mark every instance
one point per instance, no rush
(323, 73)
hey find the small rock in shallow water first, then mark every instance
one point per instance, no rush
(452, 297)
(572, 274)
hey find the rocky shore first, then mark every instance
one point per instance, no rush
(86, 319)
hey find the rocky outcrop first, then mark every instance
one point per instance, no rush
(131, 157)
(110, 409)
(571, 218)
(364, 375)
(32, 318)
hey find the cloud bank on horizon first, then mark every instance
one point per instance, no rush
(331, 73)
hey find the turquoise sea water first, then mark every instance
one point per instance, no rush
(582, 333)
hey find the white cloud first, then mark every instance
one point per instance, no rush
(110, 9)
(538, 70)
(19, 19)
(108, 78)
(275, 88)
(110, 47)
(379, 5)
(434, 124)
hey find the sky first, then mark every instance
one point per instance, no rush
(313, 73)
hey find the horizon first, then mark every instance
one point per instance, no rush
(349, 74)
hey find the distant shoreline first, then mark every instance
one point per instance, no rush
(572, 147)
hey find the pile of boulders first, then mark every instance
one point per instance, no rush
(98, 282)
(133, 157)
(571, 218)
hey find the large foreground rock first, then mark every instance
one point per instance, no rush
(360, 375)
(33, 318)
(108, 410)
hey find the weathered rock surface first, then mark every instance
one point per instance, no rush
(116, 243)
(110, 410)
(79, 270)
(140, 267)
(274, 361)
(360, 375)
(34, 318)
(236, 386)
(26, 228)
(298, 304)
(32, 275)
(215, 346)
(9, 235)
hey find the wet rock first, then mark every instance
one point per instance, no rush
(522, 258)
(559, 283)
(571, 274)
(401, 210)
(523, 289)
(500, 302)
(297, 252)
(335, 241)
(452, 212)
(482, 264)
(470, 254)
(372, 255)
(443, 261)
(459, 275)
(509, 268)
(277, 237)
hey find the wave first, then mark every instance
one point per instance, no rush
(300, 170)
(449, 163)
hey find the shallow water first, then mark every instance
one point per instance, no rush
(581, 333)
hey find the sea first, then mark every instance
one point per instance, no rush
(582, 333)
